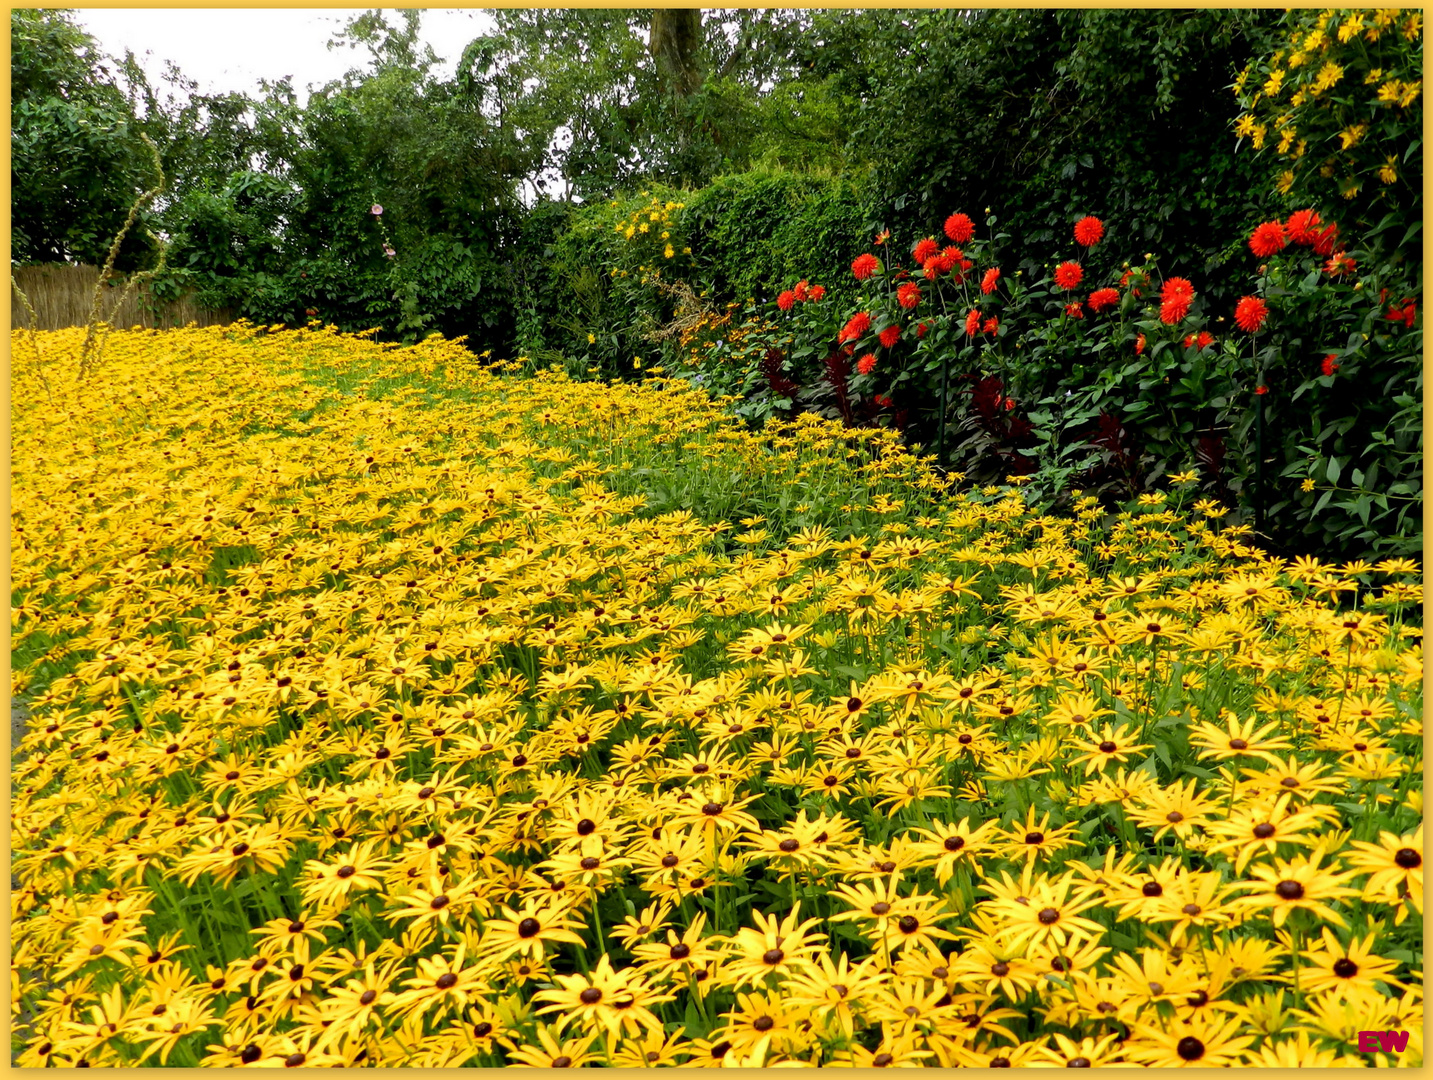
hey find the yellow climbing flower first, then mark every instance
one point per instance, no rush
(1328, 77)
(1351, 28)
(1351, 135)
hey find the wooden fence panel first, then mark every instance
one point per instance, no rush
(62, 295)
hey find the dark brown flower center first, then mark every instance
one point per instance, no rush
(1289, 890)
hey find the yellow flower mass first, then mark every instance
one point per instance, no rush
(389, 707)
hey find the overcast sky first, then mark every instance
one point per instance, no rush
(231, 49)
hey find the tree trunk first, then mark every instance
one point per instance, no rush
(674, 43)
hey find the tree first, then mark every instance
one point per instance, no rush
(602, 98)
(77, 163)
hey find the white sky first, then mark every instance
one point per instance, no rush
(231, 49)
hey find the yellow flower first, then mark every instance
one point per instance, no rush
(1328, 77)
(1307, 485)
(1351, 135)
(1351, 27)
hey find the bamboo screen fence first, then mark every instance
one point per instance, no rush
(62, 295)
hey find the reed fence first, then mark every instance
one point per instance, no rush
(63, 294)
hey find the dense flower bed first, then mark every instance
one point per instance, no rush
(382, 716)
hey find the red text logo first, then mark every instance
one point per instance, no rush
(1371, 1042)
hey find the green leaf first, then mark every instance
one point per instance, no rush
(1333, 470)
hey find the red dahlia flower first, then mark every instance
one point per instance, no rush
(988, 282)
(959, 228)
(818, 291)
(992, 325)
(865, 265)
(857, 325)
(1329, 365)
(1300, 226)
(787, 300)
(972, 323)
(1203, 340)
(1324, 241)
(866, 364)
(1173, 311)
(1088, 231)
(1068, 275)
(1103, 298)
(890, 335)
(883, 401)
(1268, 239)
(802, 291)
(1251, 313)
(1405, 313)
(1340, 264)
(1139, 345)
(924, 250)
(1074, 311)
(908, 295)
(921, 330)
(1261, 389)
(1174, 300)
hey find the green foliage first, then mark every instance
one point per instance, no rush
(752, 231)
(1044, 115)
